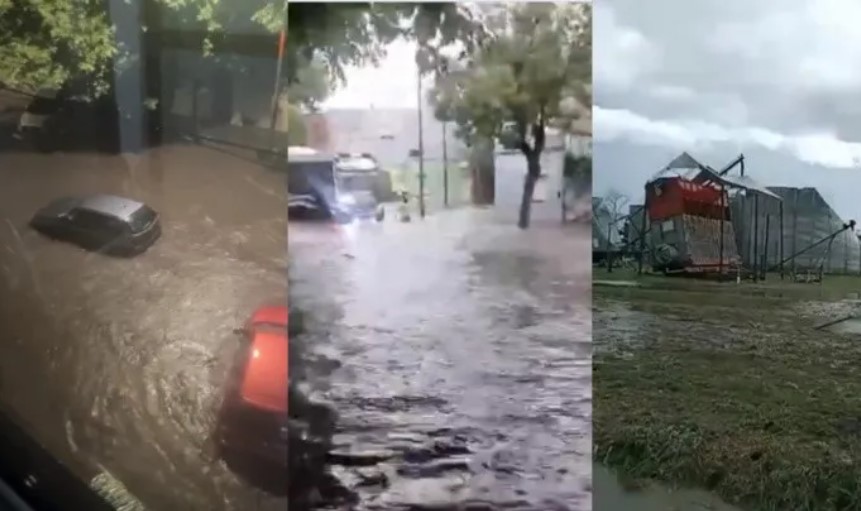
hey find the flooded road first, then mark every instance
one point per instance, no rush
(117, 364)
(457, 353)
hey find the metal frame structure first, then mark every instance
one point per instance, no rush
(703, 174)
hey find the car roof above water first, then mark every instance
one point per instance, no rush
(113, 205)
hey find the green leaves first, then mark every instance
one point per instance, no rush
(45, 44)
(312, 85)
(357, 33)
(532, 70)
(49, 44)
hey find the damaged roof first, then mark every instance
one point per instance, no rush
(687, 167)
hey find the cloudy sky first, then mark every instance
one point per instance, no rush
(391, 85)
(777, 80)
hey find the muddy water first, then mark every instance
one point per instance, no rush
(610, 495)
(117, 365)
(456, 351)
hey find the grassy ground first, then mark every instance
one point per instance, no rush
(729, 387)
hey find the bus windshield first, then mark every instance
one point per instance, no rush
(310, 177)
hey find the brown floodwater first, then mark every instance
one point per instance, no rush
(117, 365)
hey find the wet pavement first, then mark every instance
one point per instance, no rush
(117, 365)
(457, 353)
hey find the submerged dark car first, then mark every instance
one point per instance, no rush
(104, 223)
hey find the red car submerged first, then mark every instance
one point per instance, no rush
(254, 413)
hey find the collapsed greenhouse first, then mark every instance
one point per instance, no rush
(807, 219)
(606, 238)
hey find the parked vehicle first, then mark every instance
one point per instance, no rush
(254, 411)
(104, 223)
(312, 188)
(322, 186)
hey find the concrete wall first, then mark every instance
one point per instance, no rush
(510, 174)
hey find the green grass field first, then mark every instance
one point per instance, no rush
(730, 388)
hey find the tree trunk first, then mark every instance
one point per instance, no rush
(533, 172)
(482, 172)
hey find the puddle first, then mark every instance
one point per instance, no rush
(845, 326)
(609, 495)
(622, 329)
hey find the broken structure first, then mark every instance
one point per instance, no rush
(701, 219)
(688, 226)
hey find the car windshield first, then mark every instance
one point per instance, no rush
(142, 217)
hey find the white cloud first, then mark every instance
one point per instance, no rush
(627, 47)
(816, 148)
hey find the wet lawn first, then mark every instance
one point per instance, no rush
(730, 388)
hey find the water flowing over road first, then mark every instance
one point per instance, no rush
(456, 351)
(118, 364)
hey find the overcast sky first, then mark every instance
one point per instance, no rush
(778, 80)
(391, 85)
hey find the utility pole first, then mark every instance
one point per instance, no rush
(276, 94)
(444, 163)
(421, 146)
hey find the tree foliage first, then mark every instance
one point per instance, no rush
(46, 44)
(312, 85)
(522, 79)
(356, 34)
(49, 43)
(536, 61)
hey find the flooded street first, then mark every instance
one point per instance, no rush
(117, 365)
(457, 353)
